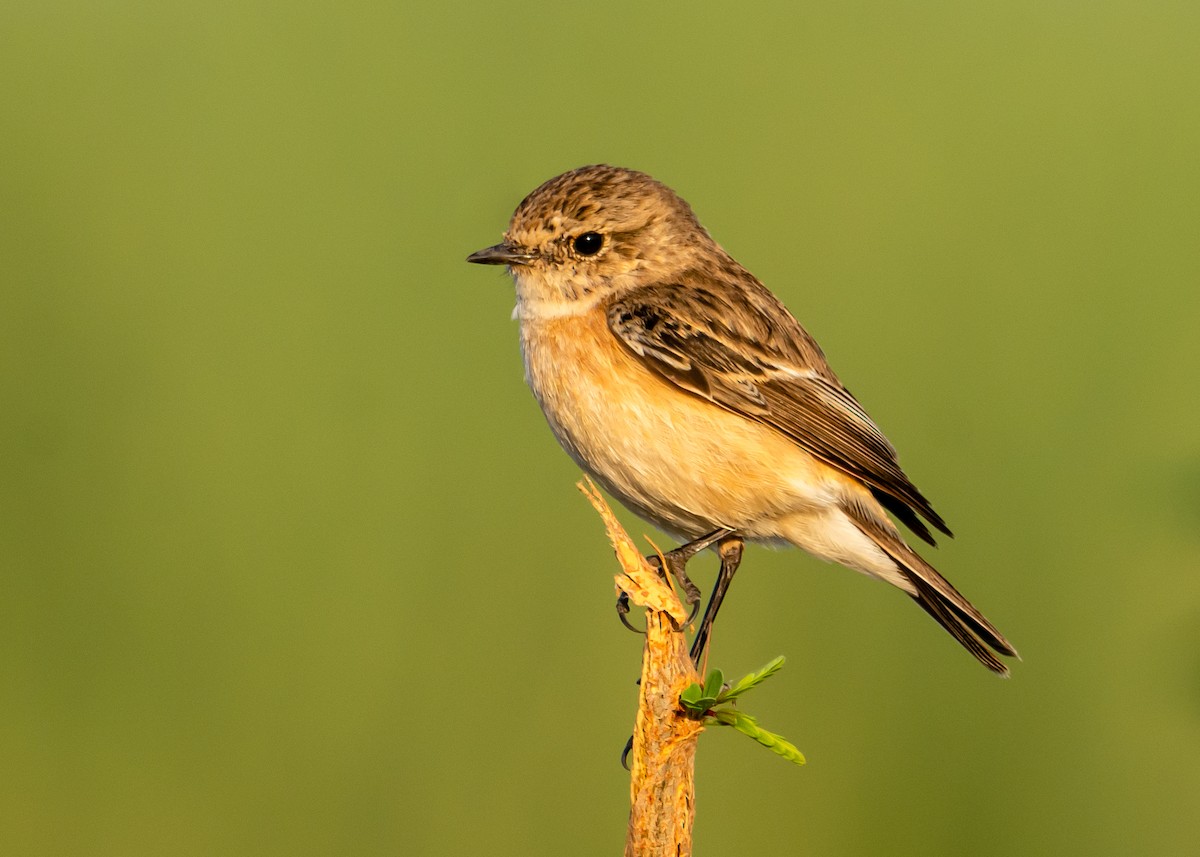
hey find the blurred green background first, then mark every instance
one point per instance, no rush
(290, 563)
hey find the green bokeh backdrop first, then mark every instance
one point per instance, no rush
(289, 563)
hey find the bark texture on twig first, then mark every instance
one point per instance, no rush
(662, 761)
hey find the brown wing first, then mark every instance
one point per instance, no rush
(745, 352)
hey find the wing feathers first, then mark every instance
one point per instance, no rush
(741, 349)
(904, 514)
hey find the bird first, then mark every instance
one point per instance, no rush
(689, 392)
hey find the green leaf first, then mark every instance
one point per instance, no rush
(714, 683)
(753, 680)
(695, 701)
(747, 725)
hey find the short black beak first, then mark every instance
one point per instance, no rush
(501, 254)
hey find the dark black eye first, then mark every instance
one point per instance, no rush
(589, 243)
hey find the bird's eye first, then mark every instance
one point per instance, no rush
(589, 243)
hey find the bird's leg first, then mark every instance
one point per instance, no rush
(729, 547)
(676, 563)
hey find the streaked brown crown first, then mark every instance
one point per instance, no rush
(621, 198)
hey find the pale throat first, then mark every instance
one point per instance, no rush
(539, 299)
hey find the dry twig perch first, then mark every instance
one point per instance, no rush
(662, 761)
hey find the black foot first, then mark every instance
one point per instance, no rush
(623, 613)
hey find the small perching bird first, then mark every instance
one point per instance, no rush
(686, 389)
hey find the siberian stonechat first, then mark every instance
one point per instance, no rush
(686, 388)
